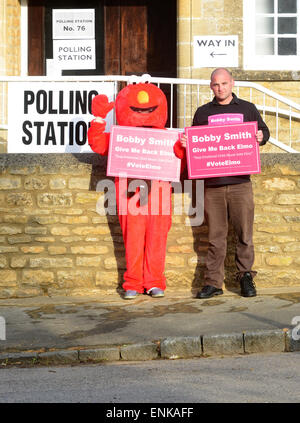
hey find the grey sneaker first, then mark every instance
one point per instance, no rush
(130, 294)
(156, 292)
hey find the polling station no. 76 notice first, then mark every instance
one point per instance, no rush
(224, 150)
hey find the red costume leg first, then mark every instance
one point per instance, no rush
(145, 239)
(155, 251)
(133, 229)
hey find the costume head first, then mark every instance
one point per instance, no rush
(141, 104)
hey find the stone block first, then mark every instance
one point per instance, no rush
(18, 357)
(56, 249)
(10, 230)
(278, 184)
(73, 220)
(8, 278)
(181, 347)
(139, 352)
(88, 261)
(292, 340)
(100, 354)
(19, 239)
(264, 341)
(57, 183)
(20, 199)
(223, 344)
(37, 277)
(288, 199)
(34, 183)
(75, 279)
(79, 183)
(89, 249)
(58, 357)
(51, 262)
(279, 261)
(19, 261)
(8, 183)
(57, 200)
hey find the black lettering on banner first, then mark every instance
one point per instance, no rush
(92, 94)
(28, 100)
(71, 134)
(41, 102)
(38, 131)
(81, 102)
(28, 140)
(51, 111)
(71, 102)
(50, 134)
(62, 126)
(62, 111)
(80, 127)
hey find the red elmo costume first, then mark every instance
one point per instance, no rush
(145, 235)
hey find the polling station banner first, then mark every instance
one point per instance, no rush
(48, 117)
(222, 150)
(143, 153)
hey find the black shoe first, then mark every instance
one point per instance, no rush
(209, 291)
(247, 285)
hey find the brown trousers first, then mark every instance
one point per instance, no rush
(232, 203)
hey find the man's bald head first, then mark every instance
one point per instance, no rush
(220, 70)
(222, 83)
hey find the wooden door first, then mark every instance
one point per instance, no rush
(140, 37)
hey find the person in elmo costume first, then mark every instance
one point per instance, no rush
(145, 234)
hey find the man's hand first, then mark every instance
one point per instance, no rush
(183, 139)
(259, 136)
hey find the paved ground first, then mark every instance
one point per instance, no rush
(59, 323)
(255, 378)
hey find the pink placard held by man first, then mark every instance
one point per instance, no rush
(222, 150)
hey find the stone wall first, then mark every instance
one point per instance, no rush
(10, 37)
(54, 242)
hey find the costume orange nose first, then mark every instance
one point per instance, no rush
(143, 97)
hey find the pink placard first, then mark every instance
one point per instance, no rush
(143, 153)
(226, 150)
(226, 119)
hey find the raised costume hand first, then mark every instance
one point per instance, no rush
(101, 106)
(97, 138)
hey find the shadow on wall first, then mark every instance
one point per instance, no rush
(98, 174)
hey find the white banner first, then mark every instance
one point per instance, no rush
(45, 117)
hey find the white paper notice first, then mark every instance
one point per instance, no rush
(74, 54)
(214, 51)
(73, 24)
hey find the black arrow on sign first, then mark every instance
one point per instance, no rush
(212, 54)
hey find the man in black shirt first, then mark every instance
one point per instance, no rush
(228, 198)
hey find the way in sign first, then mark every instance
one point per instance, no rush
(216, 43)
